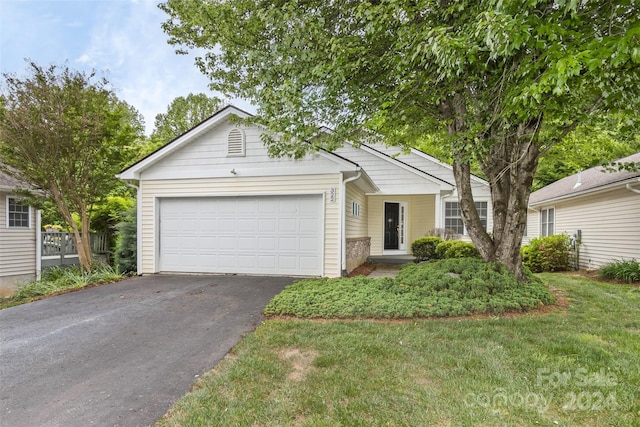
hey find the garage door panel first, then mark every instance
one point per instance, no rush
(309, 244)
(287, 225)
(255, 235)
(227, 243)
(267, 225)
(307, 225)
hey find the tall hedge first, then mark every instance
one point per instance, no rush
(126, 244)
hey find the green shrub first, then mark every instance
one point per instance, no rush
(425, 247)
(550, 253)
(627, 270)
(126, 259)
(456, 249)
(451, 287)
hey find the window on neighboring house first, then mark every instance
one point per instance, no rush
(235, 143)
(547, 222)
(17, 213)
(453, 216)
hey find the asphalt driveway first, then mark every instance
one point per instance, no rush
(121, 354)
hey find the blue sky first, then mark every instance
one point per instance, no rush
(123, 38)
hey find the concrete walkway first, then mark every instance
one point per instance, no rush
(386, 270)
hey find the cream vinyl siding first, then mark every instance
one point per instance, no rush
(207, 157)
(356, 226)
(238, 186)
(610, 224)
(421, 217)
(390, 178)
(17, 247)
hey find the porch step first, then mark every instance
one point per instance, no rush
(392, 259)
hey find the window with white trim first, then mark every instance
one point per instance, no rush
(18, 213)
(547, 221)
(453, 217)
(235, 143)
(355, 209)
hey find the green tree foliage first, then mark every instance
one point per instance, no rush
(66, 134)
(182, 114)
(499, 82)
(595, 145)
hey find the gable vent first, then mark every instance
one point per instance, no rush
(235, 143)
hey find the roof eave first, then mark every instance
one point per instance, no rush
(587, 192)
(133, 171)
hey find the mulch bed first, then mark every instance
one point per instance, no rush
(363, 270)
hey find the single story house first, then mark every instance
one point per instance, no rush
(19, 237)
(213, 201)
(602, 208)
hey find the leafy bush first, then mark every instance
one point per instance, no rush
(627, 270)
(451, 287)
(456, 249)
(550, 253)
(425, 247)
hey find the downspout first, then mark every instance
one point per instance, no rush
(138, 225)
(630, 188)
(38, 244)
(343, 222)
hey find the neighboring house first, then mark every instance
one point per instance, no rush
(213, 201)
(19, 237)
(604, 206)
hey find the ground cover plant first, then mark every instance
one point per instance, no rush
(626, 270)
(56, 280)
(451, 287)
(576, 365)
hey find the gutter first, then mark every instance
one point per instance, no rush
(343, 221)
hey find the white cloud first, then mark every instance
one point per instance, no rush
(122, 38)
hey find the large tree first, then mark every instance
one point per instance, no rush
(501, 82)
(66, 134)
(182, 114)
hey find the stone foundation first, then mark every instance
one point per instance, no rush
(358, 250)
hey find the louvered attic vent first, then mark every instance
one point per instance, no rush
(235, 143)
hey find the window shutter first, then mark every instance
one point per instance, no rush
(235, 143)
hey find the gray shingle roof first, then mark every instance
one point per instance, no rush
(9, 182)
(590, 180)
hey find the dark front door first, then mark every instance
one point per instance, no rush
(391, 225)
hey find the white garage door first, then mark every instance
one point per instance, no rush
(254, 235)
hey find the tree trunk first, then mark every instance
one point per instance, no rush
(510, 171)
(83, 245)
(509, 164)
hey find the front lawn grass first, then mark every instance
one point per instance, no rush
(573, 366)
(449, 287)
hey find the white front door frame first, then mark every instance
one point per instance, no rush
(402, 227)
